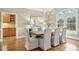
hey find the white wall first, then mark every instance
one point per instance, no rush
(23, 16)
(21, 24)
(53, 16)
(53, 19)
(78, 22)
(22, 21)
(0, 27)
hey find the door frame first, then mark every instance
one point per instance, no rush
(2, 23)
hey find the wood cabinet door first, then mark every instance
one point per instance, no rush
(7, 32)
(6, 18)
(12, 32)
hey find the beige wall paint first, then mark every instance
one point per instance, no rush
(24, 14)
(53, 16)
(0, 27)
(78, 21)
(56, 10)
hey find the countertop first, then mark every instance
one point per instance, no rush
(6, 25)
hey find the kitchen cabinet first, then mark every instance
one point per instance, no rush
(7, 32)
(8, 18)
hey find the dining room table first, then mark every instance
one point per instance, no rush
(37, 32)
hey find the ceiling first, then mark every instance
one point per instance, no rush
(42, 9)
(22, 11)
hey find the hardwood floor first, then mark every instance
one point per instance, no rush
(0, 46)
(11, 44)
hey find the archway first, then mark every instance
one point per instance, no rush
(67, 18)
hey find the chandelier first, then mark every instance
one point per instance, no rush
(49, 13)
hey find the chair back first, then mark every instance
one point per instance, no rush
(57, 34)
(64, 34)
(34, 29)
(27, 36)
(47, 34)
(39, 29)
(47, 39)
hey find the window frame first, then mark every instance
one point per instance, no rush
(66, 23)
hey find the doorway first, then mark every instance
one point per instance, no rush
(9, 30)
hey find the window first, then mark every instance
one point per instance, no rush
(60, 19)
(67, 18)
(60, 23)
(71, 23)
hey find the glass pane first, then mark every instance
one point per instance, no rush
(73, 19)
(69, 20)
(71, 26)
(67, 15)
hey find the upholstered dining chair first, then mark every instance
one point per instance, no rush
(31, 42)
(63, 36)
(45, 42)
(55, 37)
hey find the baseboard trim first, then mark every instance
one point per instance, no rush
(72, 37)
(19, 37)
